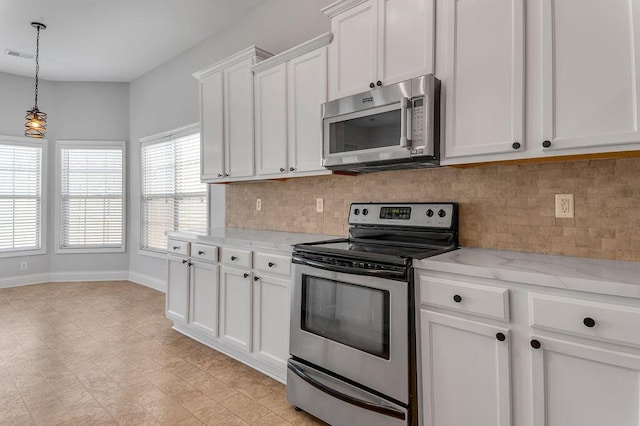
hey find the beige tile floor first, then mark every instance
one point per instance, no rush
(102, 353)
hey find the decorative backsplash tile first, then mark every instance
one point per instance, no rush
(509, 207)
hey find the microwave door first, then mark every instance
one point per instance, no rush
(363, 136)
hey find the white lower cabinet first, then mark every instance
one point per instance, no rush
(204, 298)
(466, 373)
(271, 319)
(177, 298)
(235, 307)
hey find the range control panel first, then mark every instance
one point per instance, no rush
(425, 215)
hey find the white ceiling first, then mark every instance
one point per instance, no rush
(108, 40)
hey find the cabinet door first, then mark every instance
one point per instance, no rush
(405, 39)
(204, 298)
(177, 297)
(465, 372)
(590, 72)
(235, 307)
(483, 81)
(307, 77)
(353, 53)
(238, 119)
(575, 384)
(271, 120)
(211, 123)
(271, 319)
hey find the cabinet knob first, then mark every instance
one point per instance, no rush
(256, 278)
(282, 169)
(271, 264)
(233, 258)
(535, 344)
(245, 275)
(190, 264)
(176, 247)
(457, 298)
(219, 175)
(378, 83)
(184, 260)
(546, 144)
(516, 145)
(292, 169)
(200, 252)
(501, 337)
(589, 322)
(226, 175)
(372, 85)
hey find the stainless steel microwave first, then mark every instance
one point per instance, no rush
(390, 127)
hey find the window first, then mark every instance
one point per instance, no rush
(91, 196)
(21, 202)
(173, 198)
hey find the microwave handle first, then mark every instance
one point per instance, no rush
(404, 123)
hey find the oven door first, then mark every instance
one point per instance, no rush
(354, 326)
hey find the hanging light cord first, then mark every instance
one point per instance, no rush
(37, 63)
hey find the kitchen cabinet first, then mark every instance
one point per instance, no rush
(289, 91)
(379, 42)
(482, 49)
(203, 299)
(177, 298)
(226, 109)
(271, 318)
(235, 307)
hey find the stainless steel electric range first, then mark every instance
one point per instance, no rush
(353, 334)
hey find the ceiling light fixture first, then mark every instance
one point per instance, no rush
(36, 124)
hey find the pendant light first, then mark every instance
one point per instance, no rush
(36, 124)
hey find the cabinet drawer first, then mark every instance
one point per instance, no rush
(178, 247)
(204, 252)
(465, 297)
(605, 321)
(272, 263)
(235, 257)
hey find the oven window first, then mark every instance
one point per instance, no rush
(353, 315)
(374, 131)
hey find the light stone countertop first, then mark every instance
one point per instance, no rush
(252, 238)
(614, 277)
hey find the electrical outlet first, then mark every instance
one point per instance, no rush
(319, 205)
(565, 206)
(24, 266)
(259, 204)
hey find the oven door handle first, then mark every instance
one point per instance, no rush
(347, 270)
(381, 409)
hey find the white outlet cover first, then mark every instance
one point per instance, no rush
(259, 204)
(565, 206)
(319, 205)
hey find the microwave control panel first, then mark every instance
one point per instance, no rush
(418, 122)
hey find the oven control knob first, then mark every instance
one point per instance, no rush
(429, 213)
(356, 212)
(365, 212)
(442, 213)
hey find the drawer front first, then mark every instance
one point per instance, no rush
(235, 257)
(178, 247)
(603, 321)
(204, 253)
(465, 297)
(273, 264)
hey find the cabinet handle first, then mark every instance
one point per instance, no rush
(200, 252)
(233, 258)
(457, 298)
(184, 260)
(501, 337)
(256, 278)
(516, 145)
(372, 85)
(546, 144)
(535, 344)
(245, 275)
(271, 264)
(190, 264)
(176, 247)
(226, 175)
(282, 169)
(589, 322)
(378, 83)
(219, 175)
(292, 169)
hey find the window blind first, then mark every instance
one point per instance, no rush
(173, 196)
(91, 197)
(20, 196)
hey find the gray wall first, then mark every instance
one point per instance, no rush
(75, 111)
(167, 97)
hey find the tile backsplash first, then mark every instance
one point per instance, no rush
(509, 207)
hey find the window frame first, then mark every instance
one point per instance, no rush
(166, 136)
(89, 144)
(42, 144)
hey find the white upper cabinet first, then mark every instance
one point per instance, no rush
(378, 42)
(226, 108)
(481, 45)
(590, 75)
(290, 89)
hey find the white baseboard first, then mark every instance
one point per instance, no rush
(24, 280)
(148, 281)
(57, 277)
